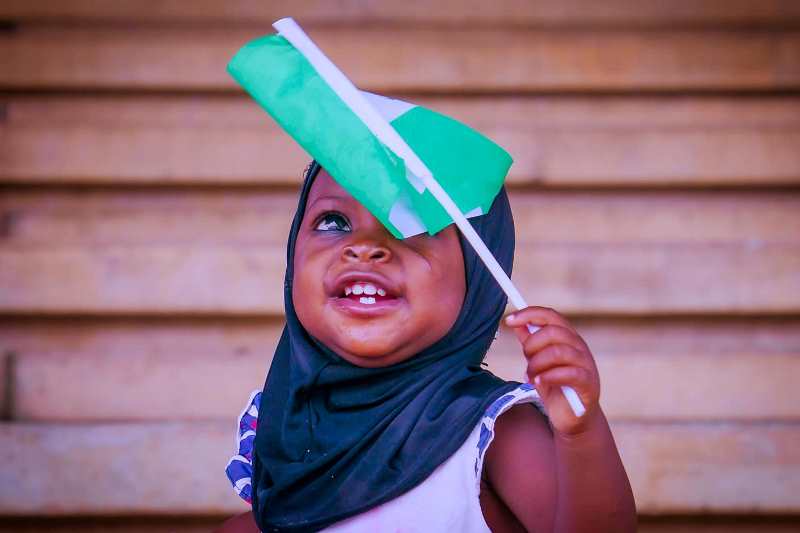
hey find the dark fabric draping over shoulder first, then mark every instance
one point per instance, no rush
(334, 439)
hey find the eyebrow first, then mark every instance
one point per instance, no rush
(328, 197)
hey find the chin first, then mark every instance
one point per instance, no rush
(368, 352)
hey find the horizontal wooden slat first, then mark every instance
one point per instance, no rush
(42, 218)
(138, 370)
(162, 468)
(686, 468)
(413, 59)
(696, 383)
(219, 280)
(585, 279)
(150, 370)
(117, 524)
(554, 140)
(719, 524)
(507, 12)
(172, 468)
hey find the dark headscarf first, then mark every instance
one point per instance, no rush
(334, 439)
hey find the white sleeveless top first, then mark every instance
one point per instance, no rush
(448, 499)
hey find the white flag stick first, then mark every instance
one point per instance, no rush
(384, 131)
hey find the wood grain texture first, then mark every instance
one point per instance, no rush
(96, 370)
(146, 253)
(234, 280)
(146, 200)
(41, 218)
(159, 468)
(645, 13)
(411, 59)
(562, 141)
(690, 468)
(177, 468)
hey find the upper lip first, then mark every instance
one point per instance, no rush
(351, 276)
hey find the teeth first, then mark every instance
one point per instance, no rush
(367, 300)
(360, 288)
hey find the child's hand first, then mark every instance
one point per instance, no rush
(558, 356)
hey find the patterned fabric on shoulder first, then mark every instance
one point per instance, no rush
(240, 467)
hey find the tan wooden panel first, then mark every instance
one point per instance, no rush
(150, 279)
(102, 524)
(173, 468)
(508, 12)
(748, 278)
(160, 468)
(415, 59)
(40, 217)
(719, 524)
(138, 370)
(554, 140)
(685, 468)
(148, 370)
(702, 382)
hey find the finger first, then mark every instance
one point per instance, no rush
(539, 316)
(551, 335)
(576, 377)
(521, 332)
(553, 356)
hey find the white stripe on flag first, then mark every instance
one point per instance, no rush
(405, 219)
(389, 108)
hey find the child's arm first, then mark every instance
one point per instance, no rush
(565, 476)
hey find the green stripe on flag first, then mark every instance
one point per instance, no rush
(467, 165)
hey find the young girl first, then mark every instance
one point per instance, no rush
(377, 415)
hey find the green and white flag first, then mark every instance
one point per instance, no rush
(469, 166)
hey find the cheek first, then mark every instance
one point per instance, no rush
(306, 286)
(440, 288)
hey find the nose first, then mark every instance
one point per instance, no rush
(366, 251)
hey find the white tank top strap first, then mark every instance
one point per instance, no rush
(524, 393)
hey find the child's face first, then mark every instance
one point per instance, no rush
(341, 249)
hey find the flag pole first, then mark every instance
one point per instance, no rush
(384, 131)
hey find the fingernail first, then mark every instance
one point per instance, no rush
(510, 318)
(536, 380)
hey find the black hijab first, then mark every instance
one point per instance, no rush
(334, 439)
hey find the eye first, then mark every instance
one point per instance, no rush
(332, 221)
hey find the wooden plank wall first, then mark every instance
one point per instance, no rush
(146, 201)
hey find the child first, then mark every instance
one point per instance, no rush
(377, 415)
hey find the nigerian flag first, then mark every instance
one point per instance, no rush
(470, 167)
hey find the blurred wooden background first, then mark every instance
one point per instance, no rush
(146, 201)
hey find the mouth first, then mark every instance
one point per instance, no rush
(365, 296)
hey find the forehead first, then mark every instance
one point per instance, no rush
(325, 185)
